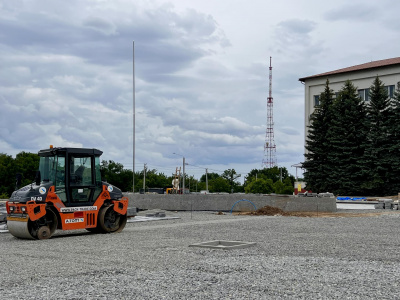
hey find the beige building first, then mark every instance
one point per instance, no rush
(362, 77)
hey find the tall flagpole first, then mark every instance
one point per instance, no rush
(134, 129)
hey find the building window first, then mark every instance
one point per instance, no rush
(361, 94)
(364, 94)
(390, 90)
(316, 100)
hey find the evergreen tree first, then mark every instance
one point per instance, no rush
(317, 144)
(345, 136)
(377, 142)
(394, 146)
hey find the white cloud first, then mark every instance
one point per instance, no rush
(201, 75)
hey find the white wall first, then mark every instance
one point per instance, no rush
(361, 79)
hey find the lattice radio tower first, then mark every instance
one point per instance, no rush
(269, 160)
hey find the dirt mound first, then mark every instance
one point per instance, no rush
(268, 211)
(275, 211)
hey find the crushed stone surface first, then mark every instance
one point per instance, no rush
(335, 257)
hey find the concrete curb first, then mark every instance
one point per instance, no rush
(228, 202)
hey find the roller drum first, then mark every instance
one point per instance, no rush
(111, 221)
(40, 229)
(19, 228)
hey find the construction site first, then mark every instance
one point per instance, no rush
(70, 235)
(262, 254)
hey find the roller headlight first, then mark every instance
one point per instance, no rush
(12, 208)
(23, 209)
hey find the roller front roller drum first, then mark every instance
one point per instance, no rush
(40, 229)
(19, 228)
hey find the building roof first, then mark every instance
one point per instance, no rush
(370, 65)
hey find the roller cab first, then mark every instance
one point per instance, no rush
(67, 194)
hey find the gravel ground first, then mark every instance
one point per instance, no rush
(294, 258)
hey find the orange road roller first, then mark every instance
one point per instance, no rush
(67, 194)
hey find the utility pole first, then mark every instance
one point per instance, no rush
(144, 177)
(134, 129)
(183, 181)
(206, 179)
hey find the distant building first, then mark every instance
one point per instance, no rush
(361, 76)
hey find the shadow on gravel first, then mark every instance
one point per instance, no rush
(72, 234)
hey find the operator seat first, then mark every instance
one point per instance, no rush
(79, 174)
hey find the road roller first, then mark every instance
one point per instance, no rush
(67, 194)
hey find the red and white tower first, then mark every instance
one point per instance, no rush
(269, 160)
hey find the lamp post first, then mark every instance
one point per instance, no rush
(206, 180)
(144, 178)
(133, 111)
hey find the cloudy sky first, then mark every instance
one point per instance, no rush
(201, 75)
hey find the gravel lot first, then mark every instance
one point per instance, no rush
(294, 258)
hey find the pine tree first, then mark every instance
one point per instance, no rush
(376, 158)
(317, 144)
(393, 186)
(346, 139)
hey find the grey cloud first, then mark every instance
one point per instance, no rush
(294, 33)
(165, 39)
(100, 24)
(296, 26)
(289, 131)
(353, 12)
(72, 66)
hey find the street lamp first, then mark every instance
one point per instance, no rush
(183, 179)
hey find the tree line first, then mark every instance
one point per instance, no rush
(353, 146)
(273, 180)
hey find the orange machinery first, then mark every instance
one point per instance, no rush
(67, 194)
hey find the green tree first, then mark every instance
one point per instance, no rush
(201, 186)
(192, 183)
(393, 149)
(377, 141)
(114, 173)
(231, 175)
(27, 164)
(260, 186)
(154, 180)
(210, 176)
(7, 175)
(24, 163)
(219, 185)
(270, 175)
(284, 187)
(317, 143)
(273, 173)
(345, 143)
